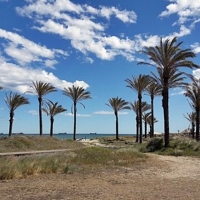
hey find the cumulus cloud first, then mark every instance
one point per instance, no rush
(78, 24)
(196, 47)
(196, 73)
(187, 10)
(24, 76)
(24, 51)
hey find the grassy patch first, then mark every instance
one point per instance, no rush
(85, 159)
(179, 146)
(28, 143)
(182, 146)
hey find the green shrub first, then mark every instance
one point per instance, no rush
(154, 144)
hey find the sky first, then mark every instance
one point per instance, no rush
(95, 45)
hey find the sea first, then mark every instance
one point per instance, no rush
(78, 135)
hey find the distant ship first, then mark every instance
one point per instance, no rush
(62, 133)
(93, 133)
(20, 133)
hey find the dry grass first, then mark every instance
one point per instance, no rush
(79, 158)
(29, 143)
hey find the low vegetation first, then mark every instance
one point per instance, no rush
(179, 146)
(79, 158)
(124, 152)
(29, 143)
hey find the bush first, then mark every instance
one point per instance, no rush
(154, 144)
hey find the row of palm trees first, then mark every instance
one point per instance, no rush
(14, 100)
(167, 57)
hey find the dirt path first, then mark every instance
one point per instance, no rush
(163, 177)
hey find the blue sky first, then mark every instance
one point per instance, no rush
(93, 44)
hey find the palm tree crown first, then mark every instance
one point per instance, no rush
(14, 100)
(76, 94)
(53, 109)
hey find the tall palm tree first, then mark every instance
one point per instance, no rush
(13, 101)
(135, 107)
(41, 89)
(168, 58)
(191, 117)
(76, 94)
(153, 90)
(139, 84)
(193, 93)
(118, 104)
(145, 117)
(51, 110)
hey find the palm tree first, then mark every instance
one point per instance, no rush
(191, 117)
(51, 110)
(145, 117)
(135, 107)
(118, 104)
(153, 90)
(139, 84)
(76, 94)
(13, 101)
(193, 93)
(149, 122)
(168, 58)
(41, 89)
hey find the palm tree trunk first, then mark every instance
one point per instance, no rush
(145, 129)
(137, 128)
(140, 116)
(40, 114)
(51, 126)
(193, 128)
(152, 118)
(74, 135)
(11, 122)
(197, 122)
(117, 130)
(165, 102)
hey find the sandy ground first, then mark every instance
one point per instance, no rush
(163, 177)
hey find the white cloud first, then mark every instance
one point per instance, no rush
(102, 112)
(178, 93)
(196, 73)
(196, 47)
(25, 51)
(123, 15)
(187, 10)
(33, 112)
(78, 115)
(85, 34)
(24, 76)
(183, 31)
